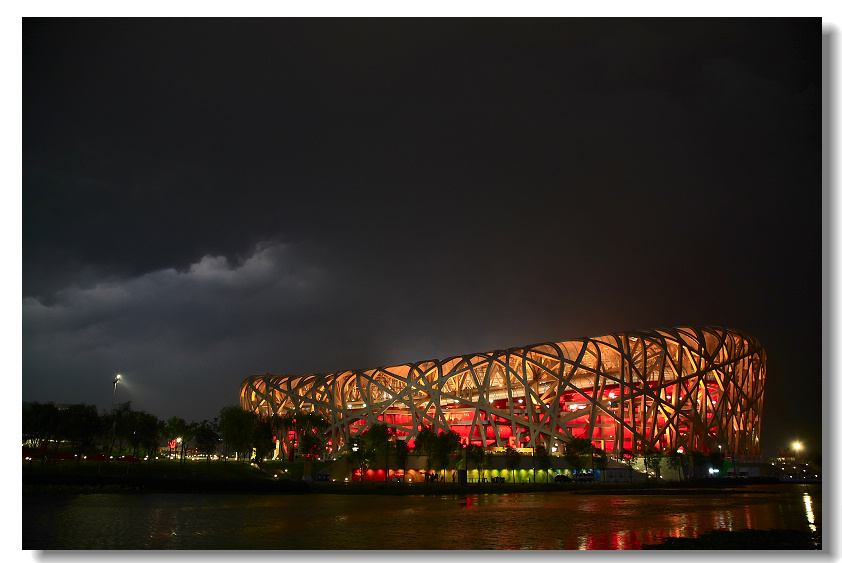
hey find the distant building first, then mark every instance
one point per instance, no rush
(686, 389)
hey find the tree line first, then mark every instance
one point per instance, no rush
(240, 433)
(124, 431)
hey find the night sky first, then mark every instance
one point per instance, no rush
(204, 200)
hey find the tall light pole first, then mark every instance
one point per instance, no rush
(116, 381)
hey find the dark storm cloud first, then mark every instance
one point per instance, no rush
(157, 125)
(204, 200)
(150, 324)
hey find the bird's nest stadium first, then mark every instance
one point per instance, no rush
(684, 389)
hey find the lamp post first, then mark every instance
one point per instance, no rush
(114, 395)
(797, 446)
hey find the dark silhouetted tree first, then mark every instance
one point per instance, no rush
(310, 431)
(512, 461)
(476, 455)
(675, 461)
(359, 454)
(262, 439)
(401, 454)
(39, 424)
(377, 438)
(599, 461)
(448, 444)
(236, 427)
(81, 425)
(147, 433)
(425, 444)
(542, 458)
(652, 462)
(207, 437)
(177, 429)
(118, 424)
(576, 452)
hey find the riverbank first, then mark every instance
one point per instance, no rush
(245, 479)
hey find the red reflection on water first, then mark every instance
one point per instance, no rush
(468, 501)
(688, 518)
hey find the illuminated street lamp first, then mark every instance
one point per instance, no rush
(116, 381)
(797, 447)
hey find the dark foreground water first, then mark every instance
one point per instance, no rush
(512, 521)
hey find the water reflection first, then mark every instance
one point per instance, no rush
(808, 506)
(467, 501)
(724, 520)
(515, 521)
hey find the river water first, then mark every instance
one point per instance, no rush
(485, 521)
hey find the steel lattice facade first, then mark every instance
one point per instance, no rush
(666, 389)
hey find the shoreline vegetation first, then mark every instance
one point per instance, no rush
(168, 476)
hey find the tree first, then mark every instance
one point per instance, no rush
(236, 426)
(39, 424)
(177, 429)
(599, 460)
(207, 437)
(141, 428)
(439, 448)
(359, 455)
(188, 438)
(147, 432)
(652, 462)
(512, 461)
(310, 428)
(425, 441)
(675, 461)
(118, 422)
(425, 444)
(262, 439)
(80, 424)
(476, 455)
(542, 458)
(447, 444)
(377, 438)
(284, 425)
(364, 448)
(575, 451)
(401, 454)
